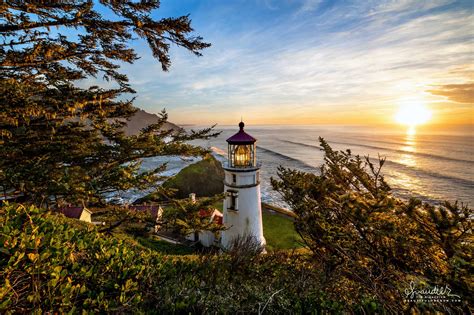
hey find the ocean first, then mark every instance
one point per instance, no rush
(432, 166)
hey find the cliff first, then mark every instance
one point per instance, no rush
(141, 119)
(204, 178)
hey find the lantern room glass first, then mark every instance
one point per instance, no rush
(242, 155)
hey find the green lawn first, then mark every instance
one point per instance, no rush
(279, 232)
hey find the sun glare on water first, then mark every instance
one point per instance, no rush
(412, 115)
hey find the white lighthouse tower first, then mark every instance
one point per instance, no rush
(242, 204)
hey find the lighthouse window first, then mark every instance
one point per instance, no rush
(234, 178)
(232, 199)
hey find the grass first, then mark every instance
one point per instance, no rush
(164, 247)
(219, 205)
(279, 232)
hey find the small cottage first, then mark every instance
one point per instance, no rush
(156, 213)
(80, 213)
(207, 238)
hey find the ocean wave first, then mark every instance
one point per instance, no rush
(414, 171)
(417, 171)
(421, 154)
(287, 158)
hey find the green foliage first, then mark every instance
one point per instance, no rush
(185, 216)
(371, 243)
(60, 142)
(49, 263)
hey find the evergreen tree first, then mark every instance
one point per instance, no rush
(60, 142)
(372, 244)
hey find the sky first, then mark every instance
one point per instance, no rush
(314, 62)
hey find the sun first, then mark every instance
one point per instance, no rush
(413, 115)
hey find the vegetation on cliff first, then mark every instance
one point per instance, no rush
(204, 178)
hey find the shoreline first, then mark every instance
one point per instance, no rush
(279, 210)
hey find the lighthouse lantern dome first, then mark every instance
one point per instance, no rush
(241, 149)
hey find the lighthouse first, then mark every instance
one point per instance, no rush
(242, 204)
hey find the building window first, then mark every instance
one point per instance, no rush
(232, 199)
(234, 178)
(233, 202)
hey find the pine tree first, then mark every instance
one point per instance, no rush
(60, 142)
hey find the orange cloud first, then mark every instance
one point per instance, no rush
(459, 93)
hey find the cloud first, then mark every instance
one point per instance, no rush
(363, 55)
(308, 5)
(459, 93)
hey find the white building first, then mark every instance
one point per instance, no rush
(242, 205)
(207, 238)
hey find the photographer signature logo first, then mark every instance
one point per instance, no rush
(430, 294)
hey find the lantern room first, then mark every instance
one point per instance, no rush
(241, 150)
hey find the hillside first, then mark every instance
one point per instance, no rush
(49, 263)
(204, 178)
(142, 119)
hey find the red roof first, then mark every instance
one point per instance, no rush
(215, 215)
(241, 137)
(205, 213)
(218, 219)
(71, 212)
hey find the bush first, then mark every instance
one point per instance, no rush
(53, 264)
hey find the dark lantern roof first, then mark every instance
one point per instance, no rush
(241, 137)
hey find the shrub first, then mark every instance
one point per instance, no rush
(53, 264)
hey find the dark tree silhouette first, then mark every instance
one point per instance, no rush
(60, 141)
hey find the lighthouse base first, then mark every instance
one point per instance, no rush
(242, 220)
